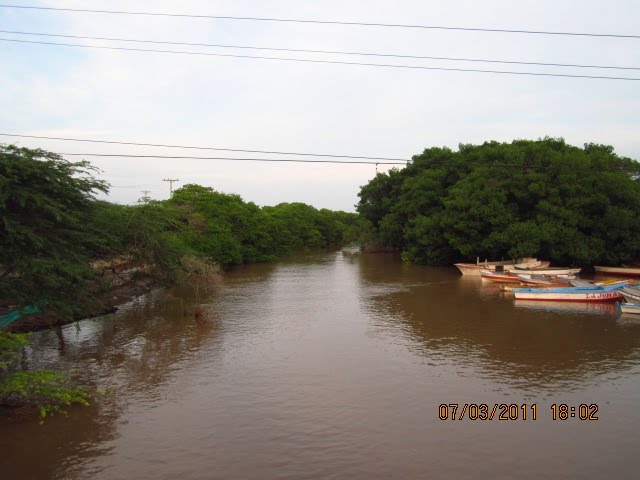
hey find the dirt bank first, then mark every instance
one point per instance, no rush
(110, 300)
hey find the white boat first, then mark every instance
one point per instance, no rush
(590, 283)
(609, 293)
(475, 268)
(626, 271)
(555, 271)
(530, 279)
(630, 294)
(630, 308)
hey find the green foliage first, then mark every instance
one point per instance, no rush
(10, 346)
(49, 391)
(228, 231)
(44, 250)
(543, 198)
(146, 233)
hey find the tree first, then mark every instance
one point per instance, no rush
(45, 205)
(545, 198)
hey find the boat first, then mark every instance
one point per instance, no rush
(555, 271)
(529, 279)
(626, 271)
(609, 281)
(596, 293)
(475, 268)
(629, 308)
(630, 294)
(498, 277)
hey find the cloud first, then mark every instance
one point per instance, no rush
(283, 106)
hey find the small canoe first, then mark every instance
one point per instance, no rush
(571, 294)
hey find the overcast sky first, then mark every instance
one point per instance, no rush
(311, 107)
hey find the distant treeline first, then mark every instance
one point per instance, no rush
(221, 227)
(53, 229)
(544, 198)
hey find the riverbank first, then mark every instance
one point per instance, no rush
(106, 302)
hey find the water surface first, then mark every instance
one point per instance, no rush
(334, 365)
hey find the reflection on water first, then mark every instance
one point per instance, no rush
(586, 308)
(539, 346)
(334, 365)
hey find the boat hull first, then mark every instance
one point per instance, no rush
(577, 297)
(570, 294)
(626, 271)
(547, 271)
(495, 277)
(631, 295)
(630, 308)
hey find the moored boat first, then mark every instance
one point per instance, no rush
(498, 277)
(475, 268)
(529, 279)
(610, 293)
(630, 294)
(630, 308)
(626, 271)
(547, 271)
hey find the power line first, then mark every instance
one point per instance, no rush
(293, 160)
(328, 52)
(323, 22)
(189, 157)
(334, 62)
(346, 162)
(114, 142)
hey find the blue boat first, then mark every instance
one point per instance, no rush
(596, 293)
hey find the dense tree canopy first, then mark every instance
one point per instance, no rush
(542, 198)
(229, 231)
(45, 206)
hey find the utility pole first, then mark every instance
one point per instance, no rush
(170, 180)
(145, 196)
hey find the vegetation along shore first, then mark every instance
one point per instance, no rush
(65, 255)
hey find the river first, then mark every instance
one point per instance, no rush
(335, 365)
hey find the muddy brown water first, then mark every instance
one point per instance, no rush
(334, 365)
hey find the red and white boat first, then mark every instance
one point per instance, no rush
(571, 294)
(498, 277)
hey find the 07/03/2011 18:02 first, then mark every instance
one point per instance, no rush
(505, 412)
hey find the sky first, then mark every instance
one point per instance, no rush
(271, 105)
